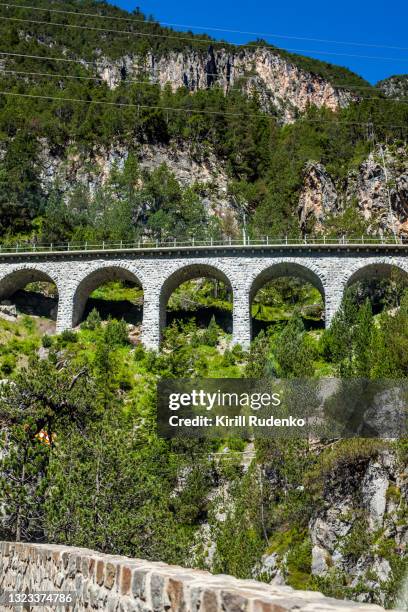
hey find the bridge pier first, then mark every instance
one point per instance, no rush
(241, 318)
(334, 293)
(65, 314)
(154, 318)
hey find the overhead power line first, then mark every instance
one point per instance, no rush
(190, 111)
(211, 74)
(202, 27)
(370, 87)
(108, 30)
(155, 84)
(47, 58)
(70, 76)
(94, 62)
(131, 105)
(196, 40)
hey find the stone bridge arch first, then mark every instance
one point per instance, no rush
(373, 270)
(189, 271)
(270, 271)
(287, 269)
(382, 269)
(330, 269)
(356, 270)
(92, 279)
(21, 276)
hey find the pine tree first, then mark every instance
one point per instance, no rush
(293, 354)
(33, 409)
(362, 340)
(212, 333)
(258, 358)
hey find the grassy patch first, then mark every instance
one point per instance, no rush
(294, 549)
(18, 341)
(118, 291)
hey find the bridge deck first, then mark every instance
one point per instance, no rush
(216, 247)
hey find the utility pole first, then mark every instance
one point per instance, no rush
(244, 227)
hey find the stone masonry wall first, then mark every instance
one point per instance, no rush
(160, 272)
(113, 583)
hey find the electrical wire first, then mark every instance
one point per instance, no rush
(45, 57)
(212, 74)
(69, 76)
(201, 27)
(93, 63)
(197, 40)
(193, 111)
(99, 79)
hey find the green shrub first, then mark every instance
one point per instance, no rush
(139, 353)
(29, 323)
(116, 333)
(228, 359)
(299, 563)
(238, 352)
(8, 364)
(46, 341)
(236, 444)
(151, 359)
(211, 334)
(68, 336)
(195, 340)
(93, 320)
(358, 541)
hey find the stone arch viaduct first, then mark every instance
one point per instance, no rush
(330, 268)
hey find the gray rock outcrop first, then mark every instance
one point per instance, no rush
(281, 85)
(377, 190)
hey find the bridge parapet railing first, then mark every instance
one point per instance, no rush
(143, 244)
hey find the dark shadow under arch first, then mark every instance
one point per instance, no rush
(283, 270)
(286, 269)
(380, 271)
(31, 302)
(187, 273)
(95, 279)
(382, 284)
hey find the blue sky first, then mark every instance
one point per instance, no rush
(379, 24)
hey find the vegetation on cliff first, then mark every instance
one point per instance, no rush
(83, 465)
(265, 160)
(80, 460)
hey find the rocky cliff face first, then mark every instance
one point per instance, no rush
(356, 541)
(395, 86)
(359, 536)
(198, 167)
(282, 87)
(359, 532)
(318, 197)
(377, 189)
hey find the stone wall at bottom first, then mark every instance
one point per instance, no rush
(114, 583)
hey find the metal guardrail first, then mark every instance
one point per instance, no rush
(25, 247)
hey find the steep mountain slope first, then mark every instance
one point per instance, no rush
(119, 51)
(282, 87)
(83, 94)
